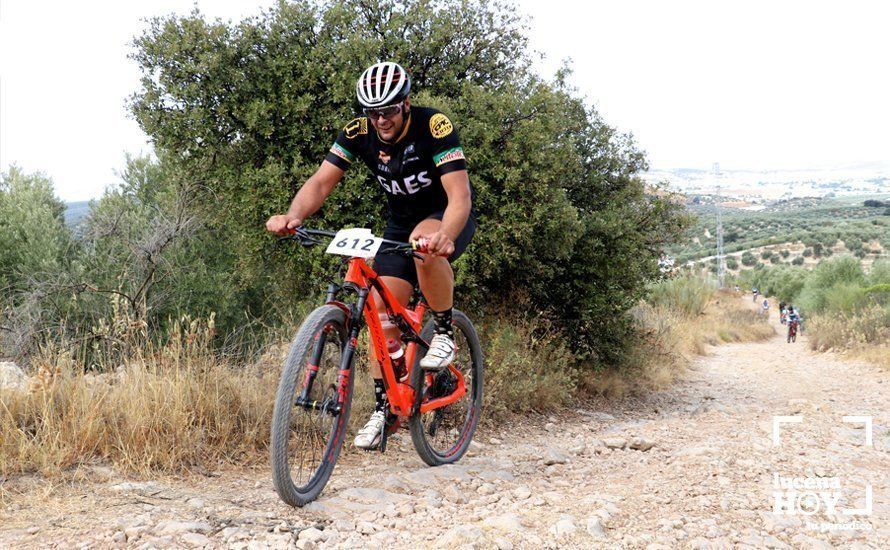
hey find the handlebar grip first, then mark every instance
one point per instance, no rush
(420, 245)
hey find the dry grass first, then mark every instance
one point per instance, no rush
(180, 406)
(671, 335)
(727, 318)
(864, 334)
(528, 367)
(170, 410)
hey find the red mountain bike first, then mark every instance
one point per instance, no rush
(792, 331)
(315, 393)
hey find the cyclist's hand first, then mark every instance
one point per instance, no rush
(438, 244)
(282, 224)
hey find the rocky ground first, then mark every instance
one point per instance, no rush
(692, 467)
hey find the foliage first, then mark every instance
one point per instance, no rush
(248, 110)
(818, 223)
(33, 236)
(846, 307)
(526, 367)
(35, 246)
(686, 295)
(784, 282)
(834, 285)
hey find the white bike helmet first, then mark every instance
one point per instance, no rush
(382, 84)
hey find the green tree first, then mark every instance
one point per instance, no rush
(835, 285)
(249, 110)
(33, 236)
(35, 246)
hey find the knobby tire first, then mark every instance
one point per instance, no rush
(289, 441)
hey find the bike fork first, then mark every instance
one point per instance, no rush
(346, 362)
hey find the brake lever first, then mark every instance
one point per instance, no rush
(300, 236)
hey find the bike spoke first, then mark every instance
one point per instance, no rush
(445, 426)
(312, 429)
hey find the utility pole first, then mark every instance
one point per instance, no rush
(721, 258)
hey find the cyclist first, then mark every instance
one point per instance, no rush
(415, 155)
(754, 291)
(794, 317)
(765, 306)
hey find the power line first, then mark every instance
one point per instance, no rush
(721, 258)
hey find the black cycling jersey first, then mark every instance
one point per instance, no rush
(410, 168)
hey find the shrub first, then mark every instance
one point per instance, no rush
(869, 326)
(785, 253)
(33, 237)
(834, 285)
(249, 110)
(748, 259)
(797, 261)
(766, 254)
(688, 295)
(529, 367)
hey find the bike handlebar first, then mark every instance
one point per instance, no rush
(306, 237)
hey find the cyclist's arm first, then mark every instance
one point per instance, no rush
(313, 193)
(448, 157)
(457, 187)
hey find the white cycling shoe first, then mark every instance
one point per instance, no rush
(440, 354)
(370, 435)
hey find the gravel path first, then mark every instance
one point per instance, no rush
(693, 467)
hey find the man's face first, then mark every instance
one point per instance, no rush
(389, 121)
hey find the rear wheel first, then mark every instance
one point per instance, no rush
(442, 436)
(311, 408)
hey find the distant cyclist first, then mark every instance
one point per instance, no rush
(755, 293)
(765, 306)
(794, 317)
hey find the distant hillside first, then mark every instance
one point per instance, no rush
(790, 231)
(75, 212)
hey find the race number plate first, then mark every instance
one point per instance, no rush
(357, 243)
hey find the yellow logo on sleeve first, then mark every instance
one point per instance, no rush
(356, 127)
(440, 126)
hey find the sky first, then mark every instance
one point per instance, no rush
(752, 85)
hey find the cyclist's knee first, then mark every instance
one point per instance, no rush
(427, 226)
(432, 263)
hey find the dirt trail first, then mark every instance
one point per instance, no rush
(554, 482)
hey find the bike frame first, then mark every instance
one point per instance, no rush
(403, 399)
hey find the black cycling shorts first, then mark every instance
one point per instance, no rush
(397, 265)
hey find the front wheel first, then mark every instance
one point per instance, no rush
(442, 436)
(311, 407)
